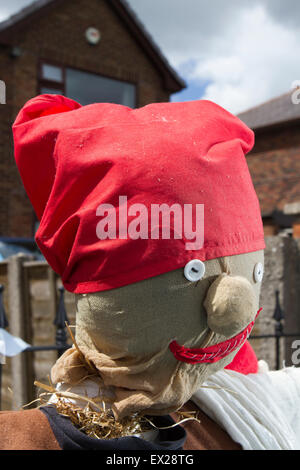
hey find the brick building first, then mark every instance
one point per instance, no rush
(274, 162)
(51, 47)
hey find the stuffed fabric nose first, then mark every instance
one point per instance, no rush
(230, 304)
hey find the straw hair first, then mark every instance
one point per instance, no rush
(96, 419)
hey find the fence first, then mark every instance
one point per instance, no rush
(279, 333)
(20, 323)
(32, 307)
(61, 335)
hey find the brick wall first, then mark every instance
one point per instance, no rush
(274, 165)
(59, 36)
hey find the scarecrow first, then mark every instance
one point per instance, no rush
(151, 219)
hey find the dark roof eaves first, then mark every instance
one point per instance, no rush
(276, 125)
(260, 105)
(23, 13)
(271, 113)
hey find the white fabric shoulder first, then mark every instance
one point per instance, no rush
(287, 385)
(259, 411)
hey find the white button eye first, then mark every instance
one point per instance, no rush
(194, 270)
(258, 272)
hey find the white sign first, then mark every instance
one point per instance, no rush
(2, 348)
(11, 345)
(2, 92)
(93, 35)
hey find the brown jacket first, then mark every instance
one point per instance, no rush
(31, 430)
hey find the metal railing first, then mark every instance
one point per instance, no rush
(279, 332)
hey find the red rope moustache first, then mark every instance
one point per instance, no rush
(213, 353)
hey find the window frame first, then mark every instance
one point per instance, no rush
(43, 82)
(61, 86)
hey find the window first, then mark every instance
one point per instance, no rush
(51, 79)
(53, 73)
(85, 87)
(88, 88)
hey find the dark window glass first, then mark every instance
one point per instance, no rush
(88, 88)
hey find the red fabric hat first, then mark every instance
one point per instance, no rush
(73, 159)
(245, 361)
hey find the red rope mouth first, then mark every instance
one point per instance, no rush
(215, 352)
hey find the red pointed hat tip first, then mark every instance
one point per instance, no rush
(55, 110)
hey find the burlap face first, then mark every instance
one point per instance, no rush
(126, 333)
